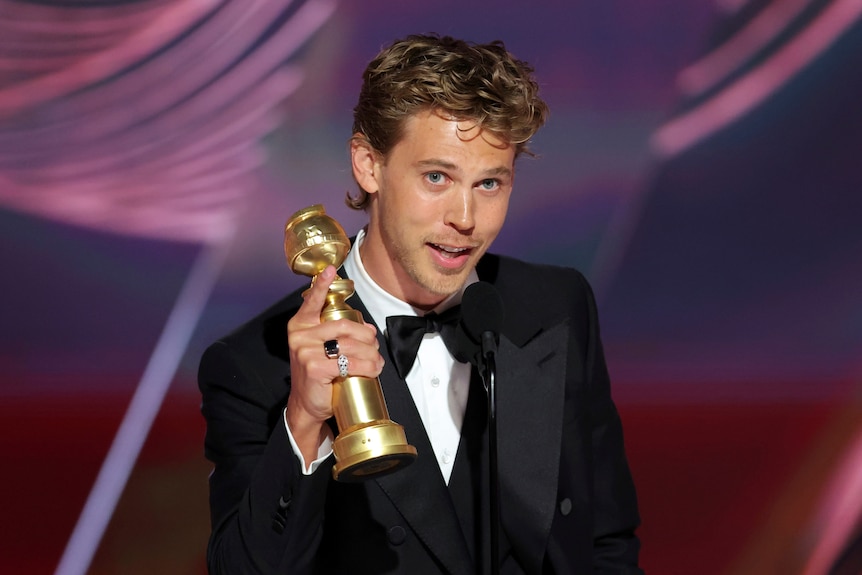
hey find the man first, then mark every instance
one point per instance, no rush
(437, 130)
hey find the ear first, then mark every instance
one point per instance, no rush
(366, 163)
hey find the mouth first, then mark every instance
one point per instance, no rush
(452, 252)
(450, 258)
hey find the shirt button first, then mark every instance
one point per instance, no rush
(435, 381)
(447, 456)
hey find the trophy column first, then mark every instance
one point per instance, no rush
(369, 444)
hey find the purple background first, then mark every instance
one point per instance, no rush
(728, 273)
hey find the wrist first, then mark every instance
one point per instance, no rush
(305, 428)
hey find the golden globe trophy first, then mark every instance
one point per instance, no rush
(369, 444)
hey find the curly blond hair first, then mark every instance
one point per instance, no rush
(483, 83)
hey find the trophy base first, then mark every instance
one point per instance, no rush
(371, 451)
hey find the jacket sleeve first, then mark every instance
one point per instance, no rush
(266, 515)
(615, 544)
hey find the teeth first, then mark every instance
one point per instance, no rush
(451, 250)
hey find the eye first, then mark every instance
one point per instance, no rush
(489, 184)
(435, 177)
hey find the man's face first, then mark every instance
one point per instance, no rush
(441, 197)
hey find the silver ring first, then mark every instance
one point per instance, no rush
(342, 365)
(330, 348)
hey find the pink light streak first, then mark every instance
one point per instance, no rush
(99, 192)
(760, 31)
(128, 153)
(147, 128)
(840, 510)
(758, 85)
(170, 22)
(141, 412)
(171, 78)
(156, 143)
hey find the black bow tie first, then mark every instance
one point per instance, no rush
(404, 335)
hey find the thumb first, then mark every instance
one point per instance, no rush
(315, 297)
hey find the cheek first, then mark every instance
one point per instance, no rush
(495, 214)
(420, 210)
(406, 218)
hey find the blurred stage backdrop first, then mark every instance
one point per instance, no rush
(702, 165)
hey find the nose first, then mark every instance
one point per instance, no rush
(459, 211)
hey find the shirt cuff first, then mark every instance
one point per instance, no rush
(324, 450)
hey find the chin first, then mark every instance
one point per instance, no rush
(444, 285)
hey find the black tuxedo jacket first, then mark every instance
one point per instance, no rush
(568, 501)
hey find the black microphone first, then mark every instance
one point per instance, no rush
(478, 331)
(478, 334)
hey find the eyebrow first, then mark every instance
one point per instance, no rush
(435, 163)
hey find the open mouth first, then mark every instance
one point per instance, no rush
(451, 251)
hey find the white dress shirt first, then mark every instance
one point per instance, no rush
(437, 382)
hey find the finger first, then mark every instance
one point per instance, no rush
(358, 367)
(342, 329)
(355, 349)
(322, 370)
(315, 298)
(309, 345)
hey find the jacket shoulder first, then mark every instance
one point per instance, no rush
(532, 282)
(266, 333)
(536, 296)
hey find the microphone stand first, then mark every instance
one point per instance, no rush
(488, 372)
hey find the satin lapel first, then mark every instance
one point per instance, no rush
(530, 399)
(418, 491)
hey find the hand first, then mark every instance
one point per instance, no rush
(310, 402)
